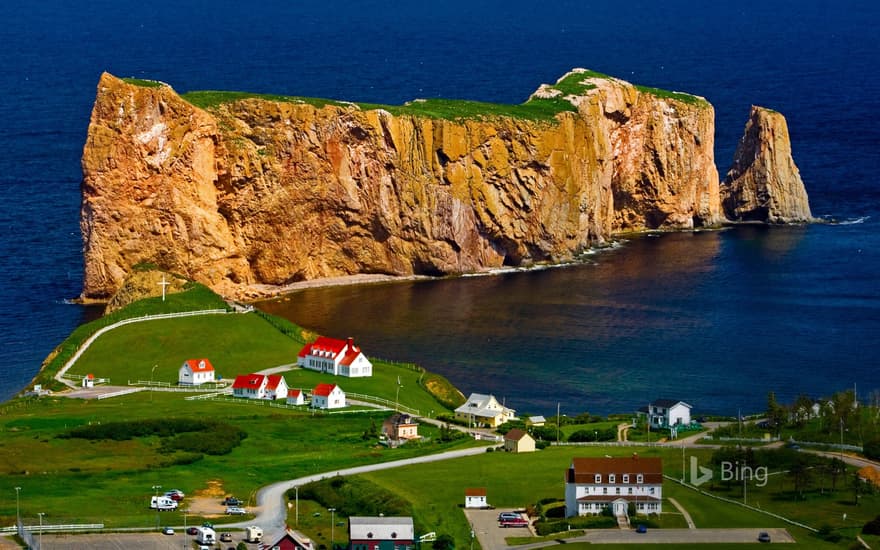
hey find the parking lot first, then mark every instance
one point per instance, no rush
(487, 531)
(137, 541)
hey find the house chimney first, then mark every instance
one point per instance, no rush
(350, 342)
(635, 456)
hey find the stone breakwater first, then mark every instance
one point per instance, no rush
(254, 194)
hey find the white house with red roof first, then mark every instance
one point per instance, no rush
(260, 386)
(328, 396)
(194, 372)
(296, 397)
(337, 357)
(593, 484)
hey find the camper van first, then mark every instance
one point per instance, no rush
(206, 535)
(163, 504)
(253, 533)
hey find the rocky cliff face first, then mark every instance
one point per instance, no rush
(764, 184)
(255, 192)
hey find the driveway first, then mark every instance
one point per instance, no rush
(484, 525)
(669, 536)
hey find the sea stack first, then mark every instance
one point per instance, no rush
(764, 184)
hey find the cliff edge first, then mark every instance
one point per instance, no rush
(244, 192)
(764, 183)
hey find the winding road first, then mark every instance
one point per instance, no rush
(272, 506)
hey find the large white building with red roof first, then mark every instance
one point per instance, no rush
(337, 357)
(260, 386)
(328, 396)
(593, 484)
(194, 372)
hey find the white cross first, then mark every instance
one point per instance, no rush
(163, 284)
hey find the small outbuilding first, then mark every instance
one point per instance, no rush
(194, 372)
(518, 441)
(88, 381)
(296, 397)
(475, 497)
(328, 396)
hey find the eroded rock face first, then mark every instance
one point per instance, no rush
(764, 184)
(261, 192)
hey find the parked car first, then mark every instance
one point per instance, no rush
(167, 531)
(642, 528)
(763, 536)
(231, 501)
(175, 494)
(508, 515)
(192, 531)
(514, 522)
(225, 537)
(235, 511)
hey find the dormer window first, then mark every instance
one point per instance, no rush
(640, 478)
(626, 478)
(610, 478)
(598, 478)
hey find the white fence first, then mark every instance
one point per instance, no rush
(85, 345)
(117, 393)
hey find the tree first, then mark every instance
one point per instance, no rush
(443, 542)
(800, 475)
(776, 413)
(872, 449)
(836, 468)
(802, 410)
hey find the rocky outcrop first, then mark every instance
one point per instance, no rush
(764, 184)
(252, 192)
(144, 284)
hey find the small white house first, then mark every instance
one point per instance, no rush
(260, 386)
(194, 372)
(88, 381)
(667, 413)
(484, 410)
(296, 397)
(475, 497)
(337, 357)
(328, 396)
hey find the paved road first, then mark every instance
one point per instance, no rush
(272, 505)
(668, 536)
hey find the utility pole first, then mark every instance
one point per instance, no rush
(156, 488)
(296, 488)
(332, 525)
(17, 512)
(41, 514)
(557, 422)
(151, 381)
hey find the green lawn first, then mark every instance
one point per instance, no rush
(76, 481)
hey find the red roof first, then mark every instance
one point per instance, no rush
(323, 390)
(294, 393)
(475, 492)
(350, 356)
(331, 347)
(248, 382)
(274, 380)
(199, 365)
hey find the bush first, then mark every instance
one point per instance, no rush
(353, 496)
(872, 527)
(177, 434)
(872, 449)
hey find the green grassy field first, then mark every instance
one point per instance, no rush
(77, 481)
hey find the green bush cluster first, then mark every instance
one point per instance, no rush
(353, 496)
(177, 434)
(544, 528)
(872, 527)
(872, 449)
(609, 434)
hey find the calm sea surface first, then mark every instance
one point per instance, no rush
(717, 318)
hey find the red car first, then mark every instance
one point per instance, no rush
(513, 522)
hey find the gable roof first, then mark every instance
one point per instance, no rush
(479, 404)
(294, 393)
(350, 355)
(199, 365)
(475, 492)
(273, 381)
(381, 528)
(515, 435)
(248, 382)
(323, 347)
(667, 403)
(584, 470)
(324, 389)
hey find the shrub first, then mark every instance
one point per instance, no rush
(177, 434)
(872, 527)
(872, 449)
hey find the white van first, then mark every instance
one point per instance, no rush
(162, 503)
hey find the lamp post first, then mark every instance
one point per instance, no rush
(185, 534)
(17, 512)
(596, 435)
(41, 514)
(332, 524)
(296, 489)
(156, 488)
(151, 381)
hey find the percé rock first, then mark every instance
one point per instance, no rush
(764, 184)
(256, 192)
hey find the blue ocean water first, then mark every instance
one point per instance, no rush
(718, 318)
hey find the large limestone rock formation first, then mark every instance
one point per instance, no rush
(764, 184)
(255, 192)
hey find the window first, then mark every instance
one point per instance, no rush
(617, 490)
(598, 478)
(626, 478)
(610, 478)
(630, 490)
(640, 478)
(604, 490)
(652, 490)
